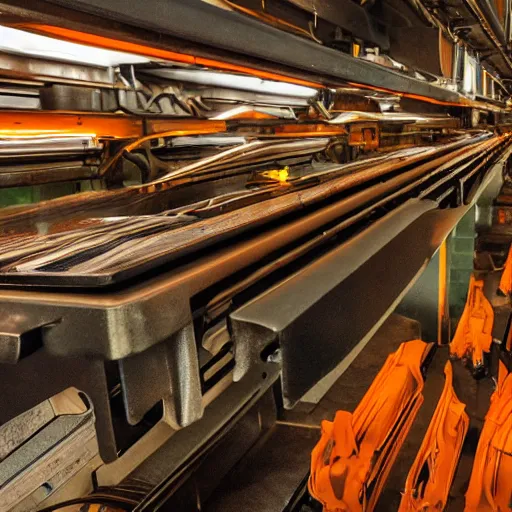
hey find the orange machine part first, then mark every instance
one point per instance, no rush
(490, 486)
(15, 123)
(430, 477)
(474, 332)
(309, 130)
(352, 460)
(364, 135)
(103, 126)
(506, 277)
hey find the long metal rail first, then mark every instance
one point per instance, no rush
(130, 251)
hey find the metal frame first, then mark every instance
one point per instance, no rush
(210, 29)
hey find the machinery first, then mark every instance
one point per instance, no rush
(208, 210)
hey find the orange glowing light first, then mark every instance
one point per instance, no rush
(149, 51)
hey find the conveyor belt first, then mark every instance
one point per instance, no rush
(125, 254)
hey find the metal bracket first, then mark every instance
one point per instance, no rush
(167, 372)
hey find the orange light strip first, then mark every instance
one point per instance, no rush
(33, 123)
(149, 51)
(104, 42)
(463, 101)
(103, 126)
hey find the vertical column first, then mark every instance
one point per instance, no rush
(443, 312)
(460, 253)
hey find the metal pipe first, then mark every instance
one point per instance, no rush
(231, 81)
(21, 146)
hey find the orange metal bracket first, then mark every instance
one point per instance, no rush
(364, 135)
(490, 486)
(506, 277)
(309, 130)
(354, 456)
(474, 332)
(15, 123)
(430, 477)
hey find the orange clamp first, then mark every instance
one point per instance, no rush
(430, 477)
(354, 456)
(490, 486)
(474, 331)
